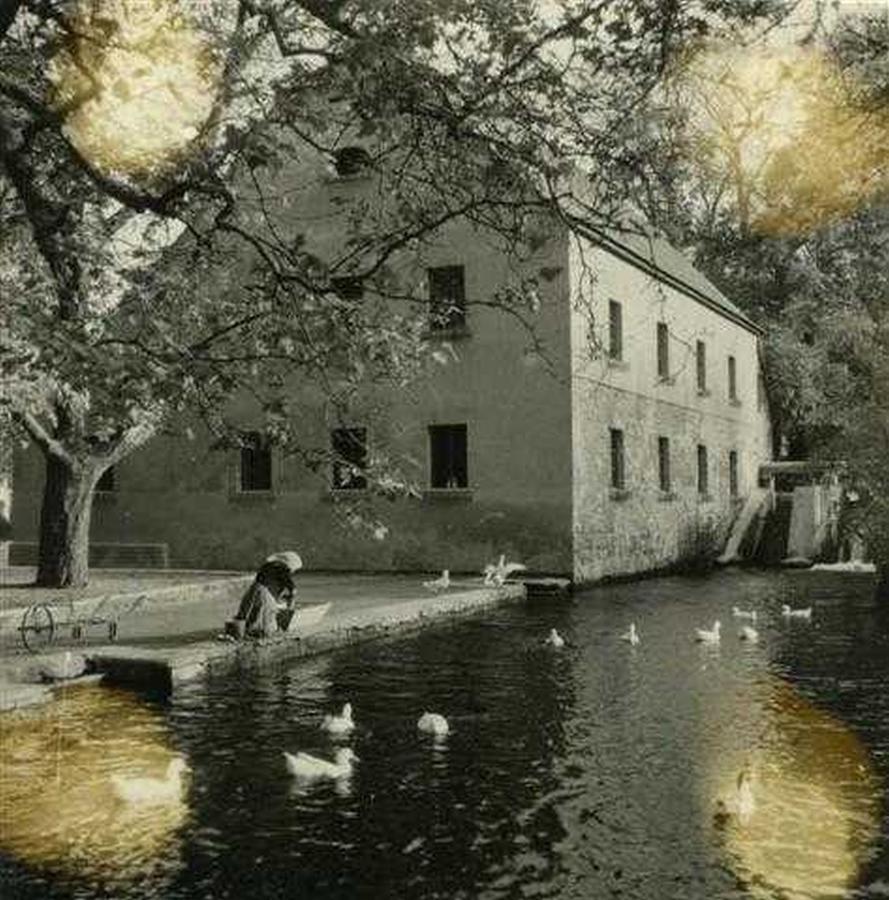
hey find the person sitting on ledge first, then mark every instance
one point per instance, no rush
(268, 602)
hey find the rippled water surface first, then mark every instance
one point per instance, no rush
(599, 770)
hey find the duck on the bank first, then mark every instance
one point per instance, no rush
(744, 613)
(708, 636)
(434, 724)
(313, 768)
(151, 791)
(497, 573)
(748, 633)
(341, 724)
(442, 583)
(789, 613)
(631, 636)
(554, 639)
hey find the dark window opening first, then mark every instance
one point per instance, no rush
(447, 297)
(351, 160)
(703, 481)
(350, 458)
(701, 358)
(663, 351)
(615, 330)
(733, 473)
(618, 464)
(108, 480)
(256, 462)
(348, 288)
(732, 379)
(447, 456)
(663, 463)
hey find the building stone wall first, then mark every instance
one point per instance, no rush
(641, 528)
(538, 408)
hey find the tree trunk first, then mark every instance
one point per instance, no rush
(63, 557)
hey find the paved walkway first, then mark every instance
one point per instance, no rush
(198, 611)
(17, 584)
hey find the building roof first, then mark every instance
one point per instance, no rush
(658, 258)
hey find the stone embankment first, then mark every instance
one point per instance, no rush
(169, 634)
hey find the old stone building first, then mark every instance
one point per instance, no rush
(609, 439)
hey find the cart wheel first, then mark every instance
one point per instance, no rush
(112, 631)
(37, 626)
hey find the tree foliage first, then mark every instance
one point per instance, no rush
(786, 206)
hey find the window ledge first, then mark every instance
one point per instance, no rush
(332, 494)
(703, 392)
(734, 401)
(335, 178)
(448, 494)
(252, 496)
(666, 379)
(705, 498)
(620, 364)
(619, 493)
(666, 496)
(450, 334)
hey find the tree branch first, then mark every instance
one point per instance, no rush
(44, 440)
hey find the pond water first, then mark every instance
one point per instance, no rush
(597, 770)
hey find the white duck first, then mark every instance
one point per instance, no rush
(441, 583)
(631, 636)
(341, 724)
(554, 639)
(433, 723)
(748, 633)
(746, 804)
(744, 613)
(789, 613)
(497, 573)
(312, 768)
(151, 791)
(711, 636)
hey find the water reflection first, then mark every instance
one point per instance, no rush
(815, 809)
(58, 807)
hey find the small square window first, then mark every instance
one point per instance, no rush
(348, 288)
(733, 473)
(663, 463)
(701, 360)
(108, 481)
(351, 160)
(663, 350)
(256, 462)
(349, 458)
(447, 456)
(703, 479)
(447, 298)
(618, 463)
(732, 379)
(615, 331)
